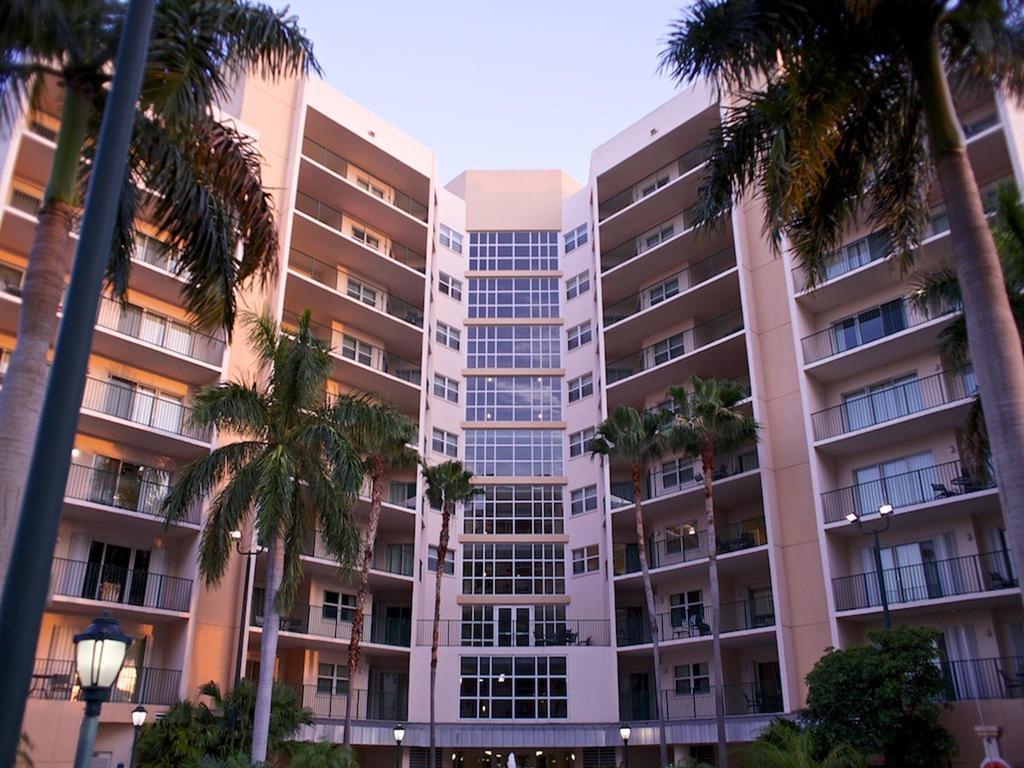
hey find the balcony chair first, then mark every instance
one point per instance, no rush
(941, 491)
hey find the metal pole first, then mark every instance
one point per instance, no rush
(886, 617)
(242, 624)
(398, 754)
(24, 597)
(625, 753)
(86, 741)
(135, 740)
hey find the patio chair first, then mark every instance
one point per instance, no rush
(941, 491)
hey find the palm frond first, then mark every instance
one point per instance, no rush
(229, 508)
(449, 483)
(197, 480)
(233, 406)
(708, 419)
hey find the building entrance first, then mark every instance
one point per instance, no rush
(524, 758)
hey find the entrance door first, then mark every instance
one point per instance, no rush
(387, 697)
(769, 687)
(513, 626)
(116, 574)
(635, 699)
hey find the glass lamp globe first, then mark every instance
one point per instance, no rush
(100, 652)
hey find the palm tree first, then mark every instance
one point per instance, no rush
(291, 456)
(845, 108)
(191, 174)
(448, 484)
(941, 287)
(637, 438)
(707, 423)
(382, 435)
(784, 744)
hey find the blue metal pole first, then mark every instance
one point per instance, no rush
(24, 595)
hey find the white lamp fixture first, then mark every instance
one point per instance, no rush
(851, 517)
(399, 732)
(235, 535)
(885, 509)
(624, 732)
(139, 716)
(100, 653)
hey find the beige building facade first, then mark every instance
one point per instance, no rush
(507, 313)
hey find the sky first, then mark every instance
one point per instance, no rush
(497, 84)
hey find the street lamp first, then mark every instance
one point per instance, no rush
(624, 732)
(399, 732)
(884, 513)
(138, 719)
(236, 536)
(99, 655)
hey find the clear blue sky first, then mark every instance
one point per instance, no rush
(497, 84)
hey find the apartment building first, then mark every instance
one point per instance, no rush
(507, 312)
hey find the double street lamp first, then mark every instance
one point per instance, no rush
(99, 655)
(399, 732)
(884, 513)
(624, 733)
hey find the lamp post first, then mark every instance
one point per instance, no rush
(138, 719)
(884, 513)
(236, 536)
(399, 732)
(99, 656)
(624, 732)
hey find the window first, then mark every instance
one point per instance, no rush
(882, 401)
(361, 292)
(518, 297)
(332, 679)
(447, 335)
(581, 387)
(578, 285)
(513, 398)
(449, 286)
(449, 560)
(668, 349)
(575, 238)
(445, 442)
(445, 388)
(527, 251)
(513, 346)
(691, 678)
(584, 500)
(116, 483)
(338, 606)
(513, 569)
(366, 184)
(356, 349)
(514, 452)
(687, 613)
(682, 539)
(360, 234)
(515, 510)
(579, 335)
(677, 473)
(869, 325)
(662, 291)
(515, 626)
(449, 238)
(656, 237)
(5, 360)
(513, 688)
(579, 442)
(585, 560)
(901, 482)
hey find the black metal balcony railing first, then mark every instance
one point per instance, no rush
(398, 559)
(123, 586)
(680, 477)
(685, 547)
(907, 489)
(11, 279)
(26, 202)
(318, 153)
(377, 358)
(669, 229)
(334, 219)
(376, 298)
(740, 699)
(159, 330)
(668, 287)
(893, 402)
(972, 679)
(655, 181)
(392, 706)
(695, 621)
(40, 129)
(158, 254)
(335, 622)
(870, 324)
(57, 679)
(929, 580)
(142, 406)
(121, 491)
(675, 346)
(491, 634)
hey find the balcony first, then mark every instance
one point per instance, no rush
(679, 476)
(692, 622)
(895, 403)
(393, 559)
(57, 680)
(932, 580)
(974, 679)
(113, 585)
(166, 424)
(740, 699)
(390, 706)
(330, 621)
(938, 484)
(559, 633)
(690, 545)
(130, 493)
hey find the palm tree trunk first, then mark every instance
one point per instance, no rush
(652, 616)
(991, 331)
(717, 677)
(268, 651)
(435, 640)
(21, 398)
(376, 497)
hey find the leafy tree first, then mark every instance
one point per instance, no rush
(196, 178)
(784, 744)
(292, 457)
(637, 438)
(320, 754)
(883, 698)
(709, 423)
(448, 484)
(841, 109)
(381, 434)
